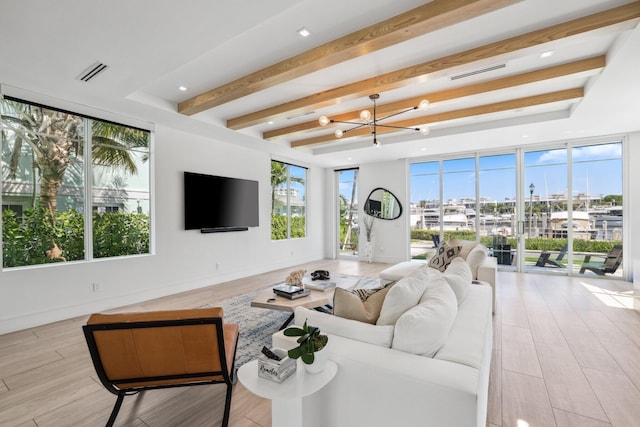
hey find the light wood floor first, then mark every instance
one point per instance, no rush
(566, 353)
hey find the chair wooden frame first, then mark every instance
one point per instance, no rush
(611, 262)
(544, 261)
(124, 386)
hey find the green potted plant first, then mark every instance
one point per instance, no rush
(310, 342)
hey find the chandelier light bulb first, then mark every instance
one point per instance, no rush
(324, 120)
(376, 143)
(424, 130)
(365, 115)
(423, 104)
(339, 133)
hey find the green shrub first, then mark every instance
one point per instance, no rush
(25, 242)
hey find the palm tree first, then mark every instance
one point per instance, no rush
(54, 136)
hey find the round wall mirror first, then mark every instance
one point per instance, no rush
(382, 204)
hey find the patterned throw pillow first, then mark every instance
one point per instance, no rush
(363, 305)
(446, 253)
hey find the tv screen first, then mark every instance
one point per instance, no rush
(217, 202)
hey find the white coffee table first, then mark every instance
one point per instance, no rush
(286, 398)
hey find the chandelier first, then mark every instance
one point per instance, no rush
(373, 122)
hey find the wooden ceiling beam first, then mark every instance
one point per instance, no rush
(563, 95)
(408, 75)
(423, 19)
(581, 66)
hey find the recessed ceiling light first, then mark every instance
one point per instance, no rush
(182, 88)
(304, 32)
(546, 54)
(270, 122)
(525, 136)
(349, 158)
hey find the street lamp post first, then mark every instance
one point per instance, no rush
(531, 190)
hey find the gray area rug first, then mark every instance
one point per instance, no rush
(256, 324)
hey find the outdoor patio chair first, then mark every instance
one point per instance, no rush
(609, 266)
(544, 261)
(133, 352)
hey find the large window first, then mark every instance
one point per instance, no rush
(348, 211)
(59, 169)
(288, 201)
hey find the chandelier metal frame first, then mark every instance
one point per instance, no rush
(374, 122)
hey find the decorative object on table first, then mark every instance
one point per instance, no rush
(275, 365)
(290, 291)
(295, 278)
(320, 275)
(310, 344)
(368, 222)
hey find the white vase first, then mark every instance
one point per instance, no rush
(319, 361)
(368, 250)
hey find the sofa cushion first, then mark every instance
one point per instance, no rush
(475, 258)
(363, 305)
(398, 271)
(465, 246)
(424, 328)
(405, 294)
(352, 329)
(446, 253)
(458, 276)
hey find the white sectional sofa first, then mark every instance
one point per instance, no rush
(422, 367)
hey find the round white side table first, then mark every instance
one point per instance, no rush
(286, 398)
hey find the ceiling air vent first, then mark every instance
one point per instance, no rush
(482, 70)
(92, 71)
(300, 115)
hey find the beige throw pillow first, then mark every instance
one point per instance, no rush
(446, 253)
(363, 305)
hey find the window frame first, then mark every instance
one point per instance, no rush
(88, 184)
(288, 205)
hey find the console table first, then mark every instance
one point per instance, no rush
(286, 398)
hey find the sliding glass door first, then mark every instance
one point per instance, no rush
(556, 210)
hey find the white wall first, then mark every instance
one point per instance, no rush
(183, 260)
(390, 237)
(632, 202)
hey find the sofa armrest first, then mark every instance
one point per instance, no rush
(487, 273)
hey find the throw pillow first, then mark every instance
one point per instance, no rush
(446, 253)
(363, 305)
(458, 276)
(404, 294)
(424, 328)
(475, 258)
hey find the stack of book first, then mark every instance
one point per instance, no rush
(290, 291)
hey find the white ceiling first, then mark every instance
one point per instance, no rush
(152, 47)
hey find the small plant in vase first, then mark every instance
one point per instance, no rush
(311, 341)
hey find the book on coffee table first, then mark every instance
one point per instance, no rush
(283, 288)
(294, 295)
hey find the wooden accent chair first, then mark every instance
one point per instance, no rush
(609, 266)
(544, 261)
(132, 352)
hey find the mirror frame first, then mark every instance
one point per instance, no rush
(366, 204)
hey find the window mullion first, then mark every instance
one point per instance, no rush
(88, 191)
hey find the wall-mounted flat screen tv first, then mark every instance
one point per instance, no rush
(217, 203)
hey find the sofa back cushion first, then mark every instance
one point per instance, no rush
(423, 329)
(458, 276)
(404, 295)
